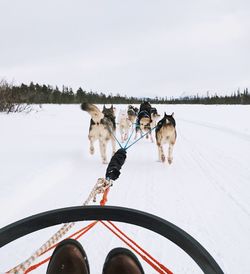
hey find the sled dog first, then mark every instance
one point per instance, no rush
(124, 125)
(102, 127)
(154, 117)
(146, 119)
(132, 113)
(166, 133)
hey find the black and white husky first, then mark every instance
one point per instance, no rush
(146, 119)
(166, 133)
(102, 127)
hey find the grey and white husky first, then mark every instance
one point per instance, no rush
(166, 133)
(102, 127)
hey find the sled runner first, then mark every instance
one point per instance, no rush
(120, 214)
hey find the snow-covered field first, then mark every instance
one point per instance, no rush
(45, 164)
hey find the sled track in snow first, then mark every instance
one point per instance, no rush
(225, 130)
(203, 162)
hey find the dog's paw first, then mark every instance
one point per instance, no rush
(91, 150)
(105, 162)
(170, 160)
(163, 158)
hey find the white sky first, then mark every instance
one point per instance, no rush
(134, 47)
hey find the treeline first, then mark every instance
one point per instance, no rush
(47, 94)
(237, 98)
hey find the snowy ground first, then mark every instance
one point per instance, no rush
(45, 164)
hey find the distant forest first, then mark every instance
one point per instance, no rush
(47, 94)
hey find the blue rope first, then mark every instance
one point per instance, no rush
(117, 140)
(127, 147)
(140, 137)
(129, 138)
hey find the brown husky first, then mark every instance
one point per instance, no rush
(102, 128)
(166, 133)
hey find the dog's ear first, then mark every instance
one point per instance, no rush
(172, 114)
(165, 115)
(104, 107)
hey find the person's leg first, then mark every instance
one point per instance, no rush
(122, 261)
(68, 257)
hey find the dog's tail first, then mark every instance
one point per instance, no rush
(93, 111)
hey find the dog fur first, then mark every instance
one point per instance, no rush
(146, 120)
(132, 113)
(102, 127)
(154, 117)
(124, 125)
(166, 133)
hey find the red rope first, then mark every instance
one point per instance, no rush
(156, 265)
(140, 248)
(160, 268)
(87, 228)
(152, 264)
(105, 197)
(82, 231)
(92, 225)
(35, 266)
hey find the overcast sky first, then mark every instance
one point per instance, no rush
(134, 47)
